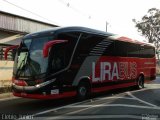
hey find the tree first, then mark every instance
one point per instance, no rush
(149, 26)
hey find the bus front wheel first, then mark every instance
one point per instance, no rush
(140, 82)
(83, 91)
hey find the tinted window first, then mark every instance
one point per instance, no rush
(110, 47)
(61, 53)
(147, 51)
(132, 50)
(88, 45)
(121, 48)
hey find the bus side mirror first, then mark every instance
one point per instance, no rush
(8, 49)
(50, 44)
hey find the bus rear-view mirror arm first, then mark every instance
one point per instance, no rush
(50, 44)
(8, 49)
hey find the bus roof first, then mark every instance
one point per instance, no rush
(87, 30)
(127, 39)
(70, 29)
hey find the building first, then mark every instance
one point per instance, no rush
(12, 29)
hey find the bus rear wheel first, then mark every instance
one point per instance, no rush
(140, 82)
(83, 91)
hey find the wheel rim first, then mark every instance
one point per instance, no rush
(140, 82)
(82, 91)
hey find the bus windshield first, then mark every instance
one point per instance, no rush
(29, 58)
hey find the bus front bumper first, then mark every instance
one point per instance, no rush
(44, 96)
(32, 88)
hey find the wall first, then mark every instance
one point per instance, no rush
(6, 70)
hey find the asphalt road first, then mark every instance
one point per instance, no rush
(124, 104)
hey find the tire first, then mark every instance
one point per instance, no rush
(83, 91)
(140, 82)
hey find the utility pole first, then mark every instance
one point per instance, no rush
(107, 26)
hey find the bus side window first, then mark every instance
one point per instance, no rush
(132, 50)
(56, 57)
(61, 53)
(120, 48)
(110, 47)
(87, 44)
(147, 51)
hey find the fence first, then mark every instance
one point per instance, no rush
(11, 53)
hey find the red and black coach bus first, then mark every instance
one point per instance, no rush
(77, 61)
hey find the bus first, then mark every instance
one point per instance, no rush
(78, 61)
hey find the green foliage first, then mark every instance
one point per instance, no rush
(149, 26)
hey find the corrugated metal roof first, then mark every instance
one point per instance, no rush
(21, 24)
